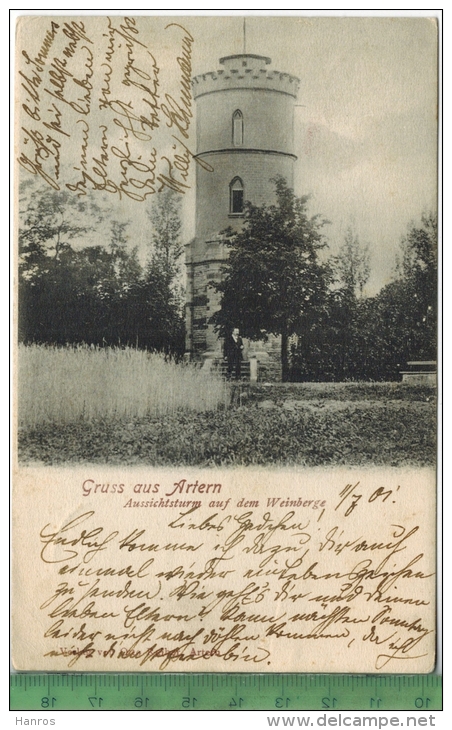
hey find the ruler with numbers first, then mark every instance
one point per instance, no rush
(272, 692)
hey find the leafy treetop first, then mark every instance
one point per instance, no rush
(273, 276)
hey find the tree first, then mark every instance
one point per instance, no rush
(273, 278)
(70, 292)
(79, 281)
(119, 291)
(399, 323)
(342, 348)
(51, 220)
(352, 264)
(415, 290)
(167, 247)
(164, 291)
(417, 261)
(418, 271)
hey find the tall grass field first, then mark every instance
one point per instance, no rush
(62, 385)
(127, 407)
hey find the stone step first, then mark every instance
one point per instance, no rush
(221, 366)
(251, 370)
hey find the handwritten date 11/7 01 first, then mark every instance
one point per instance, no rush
(352, 494)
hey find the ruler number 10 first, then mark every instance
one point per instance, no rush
(422, 702)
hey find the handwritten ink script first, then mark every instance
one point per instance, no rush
(181, 574)
(105, 104)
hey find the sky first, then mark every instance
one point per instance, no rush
(366, 130)
(365, 124)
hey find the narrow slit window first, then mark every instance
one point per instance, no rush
(237, 128)
(236, 196)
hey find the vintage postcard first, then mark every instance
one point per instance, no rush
(226, 317)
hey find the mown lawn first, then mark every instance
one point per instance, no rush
(284, 424)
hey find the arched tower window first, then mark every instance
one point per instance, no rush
(237, 128)
(236, 196)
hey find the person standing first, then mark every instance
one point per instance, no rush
(233, 350)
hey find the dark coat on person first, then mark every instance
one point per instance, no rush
(233, 351)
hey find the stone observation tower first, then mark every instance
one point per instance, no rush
(244, 116)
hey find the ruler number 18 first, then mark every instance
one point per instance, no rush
(47, 702)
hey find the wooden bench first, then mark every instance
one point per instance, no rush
(420, 371)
